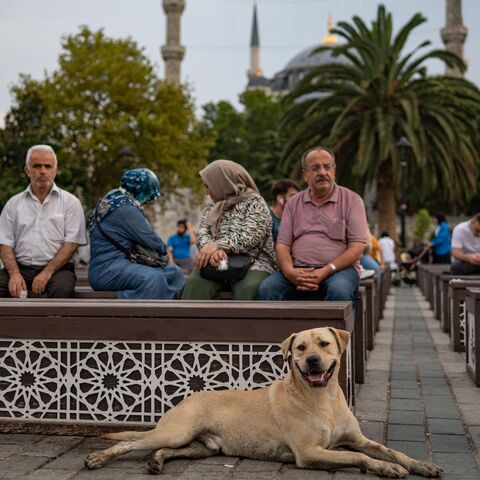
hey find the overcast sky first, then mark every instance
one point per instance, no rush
(215, 33)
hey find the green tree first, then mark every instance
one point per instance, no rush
(23, 128)
(105, 96)
(372, 95)
(422, 223)
(249, 137)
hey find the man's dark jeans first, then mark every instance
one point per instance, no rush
(61, 285)
(464, 268)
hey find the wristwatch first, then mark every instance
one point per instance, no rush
(333, 267)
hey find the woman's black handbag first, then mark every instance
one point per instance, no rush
(139, 254)
(238, 266)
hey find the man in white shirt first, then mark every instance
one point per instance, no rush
(388, 250)
(466, 247)
(40, 230)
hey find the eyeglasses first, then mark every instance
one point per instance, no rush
(316, 168)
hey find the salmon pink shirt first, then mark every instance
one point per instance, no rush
(319, 234)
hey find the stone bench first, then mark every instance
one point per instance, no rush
(430, 271)
(92, 365)
(359, 334)
(472, 312)
(445, 280)
(456, 296)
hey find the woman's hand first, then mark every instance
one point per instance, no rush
(204, 255)
(217, 257)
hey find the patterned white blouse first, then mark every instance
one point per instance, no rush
(246, 228)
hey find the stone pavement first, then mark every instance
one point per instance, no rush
(416, 398)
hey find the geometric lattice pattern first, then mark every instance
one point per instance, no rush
(470, 348)
(106, 381)
(462, 323)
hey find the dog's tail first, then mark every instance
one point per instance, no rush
(130, 436)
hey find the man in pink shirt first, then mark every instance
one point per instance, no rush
(321, 239)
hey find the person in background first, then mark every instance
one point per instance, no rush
(179, 245)
(441, 243)
(282, 190)
(466, 247)
(236, 221)
(321, 239)
(370, 266)
(387, 245)
(40, 230)
(120, 215)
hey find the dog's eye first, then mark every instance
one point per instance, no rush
(301, 348)
(324, 344)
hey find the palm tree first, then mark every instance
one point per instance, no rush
(361, 104)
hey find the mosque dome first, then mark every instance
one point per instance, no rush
(303, 62)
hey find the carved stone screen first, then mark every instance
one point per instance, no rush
(120, 382)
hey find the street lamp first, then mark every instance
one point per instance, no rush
(402, 145)
(126, 157)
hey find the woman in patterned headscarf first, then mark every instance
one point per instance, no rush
(121, 217)
(237, 221)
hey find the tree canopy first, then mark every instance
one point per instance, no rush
(249, 136)
(370, 96)
(105, 96)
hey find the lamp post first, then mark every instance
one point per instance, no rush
(126, 157)
(402, 145)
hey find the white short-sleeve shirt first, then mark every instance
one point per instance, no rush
(463, 237)
(36, 231)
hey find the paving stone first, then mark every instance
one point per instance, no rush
(73, 460)
(456, 463)
(442, 390)
(449, 443)
(405, 384)
(436, 381)
(373, 430)
(411, 377)
(44, 474)
(471, 414)
(6, 450)
(417, 450)
(177, 466)
(236, 475)
(257, 466)
(405, 404)
(19, 438)
(439, 410)
(404, 393)
(23, 463)
(445, 426)
(290, 472)
(52, 446)
(408, 433)
(101, 474)
(406, 418)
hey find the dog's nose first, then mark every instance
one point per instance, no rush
(313, 360)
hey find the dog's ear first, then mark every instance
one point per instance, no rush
(342, 337)
(287, 345)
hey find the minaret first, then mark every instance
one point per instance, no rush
(173, 52)
(254, 70)
(454, 34)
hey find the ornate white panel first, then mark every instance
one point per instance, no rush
(470, 348)
(462, 323)
(123, 381)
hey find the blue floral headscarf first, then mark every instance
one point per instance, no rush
(137, 187)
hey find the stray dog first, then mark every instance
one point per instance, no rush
(300, 419)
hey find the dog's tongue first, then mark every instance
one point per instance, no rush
(317, 377)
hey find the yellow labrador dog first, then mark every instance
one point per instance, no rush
(302, 418)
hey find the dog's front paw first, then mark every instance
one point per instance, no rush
(155, 467)
(386, 469)
(96, 460)
(426, 469)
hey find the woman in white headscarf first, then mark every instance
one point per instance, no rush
(236, 221)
